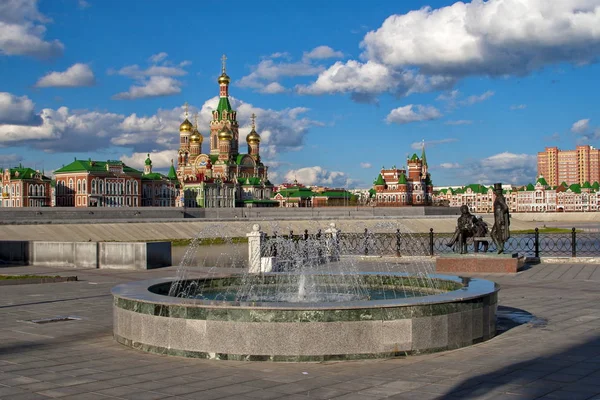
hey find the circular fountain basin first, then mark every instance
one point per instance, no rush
(458, 312)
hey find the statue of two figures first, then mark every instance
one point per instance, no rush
(470, 226)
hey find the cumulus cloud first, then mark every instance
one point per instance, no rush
(76, 75)
(413, 113)
(267, 72)
(317, 176)
(160, 159)
(22, 30)
(322, 52)
(496, 37)
(518, 106)
(365, 165)
(459, 122)
(581, 126)
(431, 143)
(17, 110)
(370, 79)
(156, 86)
(83, 130)
(156, 80)
(503, 167)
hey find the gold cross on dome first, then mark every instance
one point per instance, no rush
(223, 59)
(253, 118)
(185, 106)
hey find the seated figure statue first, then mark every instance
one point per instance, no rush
(465, 228)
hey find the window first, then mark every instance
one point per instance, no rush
(78, 186)
(84, 186)
(71, 184)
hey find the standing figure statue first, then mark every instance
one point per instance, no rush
(500, 231)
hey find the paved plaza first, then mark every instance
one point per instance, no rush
(554, 355)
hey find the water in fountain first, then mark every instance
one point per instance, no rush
(317, 267)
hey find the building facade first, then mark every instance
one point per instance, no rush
(569, 166)
(540, 197)
(89, 183)
(221, 176)
(25, 187)
(409, 186)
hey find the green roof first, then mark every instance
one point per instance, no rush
(379, 180)
(475, 188)
(296, 192)
(423, 158)
(224, 105)
(21, 173)
(586, 185)
(372, 192)
(172, 175)
(401, 179)
(414, 157)
(542, 181)
(334, 194)
(93, 166)
(530, 187)
(213, 158)
(148, 160)
(154, 176)
(260, 201)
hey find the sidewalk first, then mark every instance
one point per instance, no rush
(556, 355)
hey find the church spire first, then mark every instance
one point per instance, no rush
(423, 158)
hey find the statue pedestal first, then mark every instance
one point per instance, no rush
(481, 263)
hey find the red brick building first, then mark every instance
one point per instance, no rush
(25, 187)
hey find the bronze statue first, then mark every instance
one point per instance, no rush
(467, 226)
(500, 231)
(464, 229)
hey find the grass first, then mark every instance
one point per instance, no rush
(207, 241)
(7, 277)
(546, 230)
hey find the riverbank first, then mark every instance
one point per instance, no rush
(171, 230)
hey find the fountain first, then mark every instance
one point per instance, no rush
(301, 300)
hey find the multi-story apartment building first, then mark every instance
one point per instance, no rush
(570, 166)
(25, 187)
(540, 197)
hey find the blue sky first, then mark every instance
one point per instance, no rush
(340, 89)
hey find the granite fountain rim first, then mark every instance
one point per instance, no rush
(140, 291)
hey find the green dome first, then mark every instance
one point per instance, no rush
(148, 160)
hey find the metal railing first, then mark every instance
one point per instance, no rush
(535, 244)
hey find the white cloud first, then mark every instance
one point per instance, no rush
(75, 76)
(518, 106)
(459, 122)
(496, 37)
(580, 126)
(317, 176)
(504, 167)
(68, 130)
(267, 72)
(449, 165)
(22, 30)
(160, 159)
(17, 110)
(156, 86)
(412, 113)
(365, 165)
(322, 52)
(450, 96)
(156, 58)
(366, 80)
(154, 81)
(273, 88)
(432, 143)
(477, 98)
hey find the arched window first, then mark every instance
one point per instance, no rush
(31, 190)
(84, 185)
(94, 186)
(101, 187)
(71, 184)
(128, 187)
(42, 190)
(135, 188)
(78, 186)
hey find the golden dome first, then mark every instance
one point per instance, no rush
(186, 126)
(225, 134)
(253, 137)
(224, 79)
(196, 136)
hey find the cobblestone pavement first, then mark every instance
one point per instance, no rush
(556, 355)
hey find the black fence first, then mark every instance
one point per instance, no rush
(535, 244)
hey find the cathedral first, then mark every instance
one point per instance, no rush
(221, 177)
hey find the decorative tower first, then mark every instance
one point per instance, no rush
(195, 139)
(253, 140)
(424, 171)
(185, 131)
(414, 168)
(148, 165)
(225, 137)
(224, 116)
